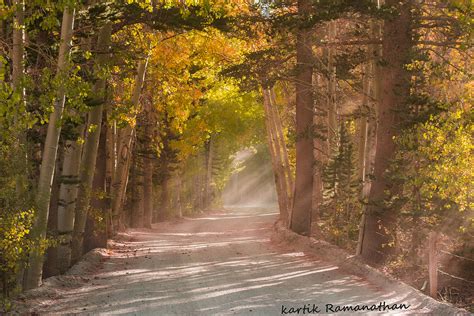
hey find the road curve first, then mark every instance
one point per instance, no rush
(218, 264)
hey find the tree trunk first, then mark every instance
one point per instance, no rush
(89, 155)
(67, 202)
(275, 156)
(284, 151)
(367, 139)
(331, 97)
(179, 205)
(209, 162)
(124, 153)
(139, 205)
(109, 172)
(18, 48)
(96, 231)
(319, 154)
(363, 123)
(164, 207)
(17, 56)
(18, 69)
(34, 273)
(130, 197)
(149, 121)
(301, 214)
(368, 129)
(200, 181)
(50, 266)
(395, 85)
(148, 193)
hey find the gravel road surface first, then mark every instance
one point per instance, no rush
(221, 263)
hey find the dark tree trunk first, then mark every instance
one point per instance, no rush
(148, 166)
(301, 214)
(164, 207)
(380, 217)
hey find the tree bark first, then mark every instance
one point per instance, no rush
(110, 170)
(139, 203)
(376, 242)
(331, 98)
(96, 232)
(319, 154)
(17, 56)
(18, 69)
(164, 207)
(275, 158)
(18, 49)
(179, 205)
(124, 153)
(209, 162)
(284, 151)
(34, 273)
(67, 202)
(301, 214)
(148, 169)
(89, 155)
(50, 266)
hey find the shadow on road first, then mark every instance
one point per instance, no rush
(218, 264)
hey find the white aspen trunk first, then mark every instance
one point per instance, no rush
(34, 273)
(95, 234)
(369, 128)
(136, 190)
(375, 90)
(363, 124)
(275, 153)
(89, 155)
(67, 202)
(363, 146)
(124, 153)
(281, 138)
(319, 155)
(69, 184)
(280, 151)
(49, 266)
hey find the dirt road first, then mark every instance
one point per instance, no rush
(217, 264)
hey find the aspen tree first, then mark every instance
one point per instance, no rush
(48, 162)
(91, 145)
(124, 153)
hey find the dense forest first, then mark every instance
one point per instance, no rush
(120, 114)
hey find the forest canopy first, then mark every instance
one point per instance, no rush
(120, 114)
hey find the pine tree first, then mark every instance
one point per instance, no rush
(341, 189)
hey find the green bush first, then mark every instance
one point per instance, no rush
(14, 247)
